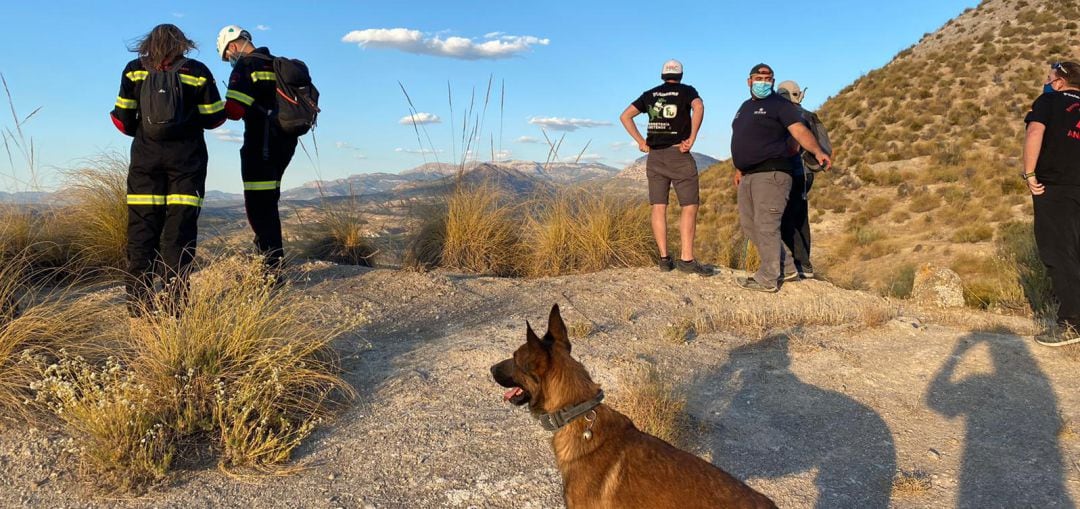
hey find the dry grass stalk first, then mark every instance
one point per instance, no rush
(911, 483)
(581, 330)
(652, 401)
(758, 319)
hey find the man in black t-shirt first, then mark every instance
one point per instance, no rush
(1052, 172)
(766, 133)
(675, 114)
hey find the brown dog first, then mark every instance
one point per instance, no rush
(605, 461)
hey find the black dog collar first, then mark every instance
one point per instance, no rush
(562, 417)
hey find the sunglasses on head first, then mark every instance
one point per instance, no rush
(1059, 68)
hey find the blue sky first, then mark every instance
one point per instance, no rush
(559, 60)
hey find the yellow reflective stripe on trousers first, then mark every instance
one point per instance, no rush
(207, 109)
(240, 96)
(265, 185)
(127, 104)
(184, 199)
(137, 75)
(194, 81)
(145, 199)
(263, 75)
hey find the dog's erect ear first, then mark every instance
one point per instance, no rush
(531, 338)
(557, 329)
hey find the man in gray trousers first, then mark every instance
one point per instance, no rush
(766, 133)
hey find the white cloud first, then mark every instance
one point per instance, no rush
(589, 158)
(262, 28)
(420, 118)
(567, 124)
(228, 135)
(503, 155)
(178, 15)
(496, 46)
(619, 145)
(425, 151)
(344, 145)
(527, 139)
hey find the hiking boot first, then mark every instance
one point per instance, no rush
(793, 276)
(693, 267)
(666, 264)
(807, 273)
(1064, 335)
(752, 284)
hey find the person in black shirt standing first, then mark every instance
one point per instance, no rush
(675, 114)
(1052, 172)
(165, 102)
(766, 133)
(266, 151)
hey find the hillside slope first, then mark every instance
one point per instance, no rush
(927, 154)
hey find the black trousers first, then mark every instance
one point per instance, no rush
(1057, 235)
(795, 223)
(166, 183)
(262, 172)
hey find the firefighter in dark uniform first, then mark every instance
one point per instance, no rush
(167, 174)
(266, 151)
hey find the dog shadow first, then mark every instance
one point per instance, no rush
(772, 424)
(1011, 456)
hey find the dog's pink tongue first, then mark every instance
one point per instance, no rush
(511, 393)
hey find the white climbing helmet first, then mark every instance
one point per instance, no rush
(227, 35)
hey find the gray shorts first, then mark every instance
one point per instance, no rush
(668, 167)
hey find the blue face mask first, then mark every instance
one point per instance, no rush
(1048, 88)
(233, 59)
(761, 89)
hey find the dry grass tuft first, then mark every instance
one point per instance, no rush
(581, 330)
(476, 232)
(35, 322)
(758, 319)
(911, 483)
(652, 401)
(577, 232)
(1066, 430)
(338, 234)
(96, 220)
(681, 331)
(115, 420)
(253, 382)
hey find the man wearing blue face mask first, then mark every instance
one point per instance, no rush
(266, 151)
(767, 131)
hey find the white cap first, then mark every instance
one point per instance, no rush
(672, 67)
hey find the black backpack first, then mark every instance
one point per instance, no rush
(822, 136)
(297, 100)
(163, 114)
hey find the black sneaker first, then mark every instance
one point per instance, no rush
(666, 264)
(1062, 336)
(787, 278)
(807, 273)
(752, 284)
(693, 267)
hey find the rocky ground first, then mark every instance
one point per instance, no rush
(849, 407)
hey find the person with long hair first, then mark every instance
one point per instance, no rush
(165, 103)
(1051, 161)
